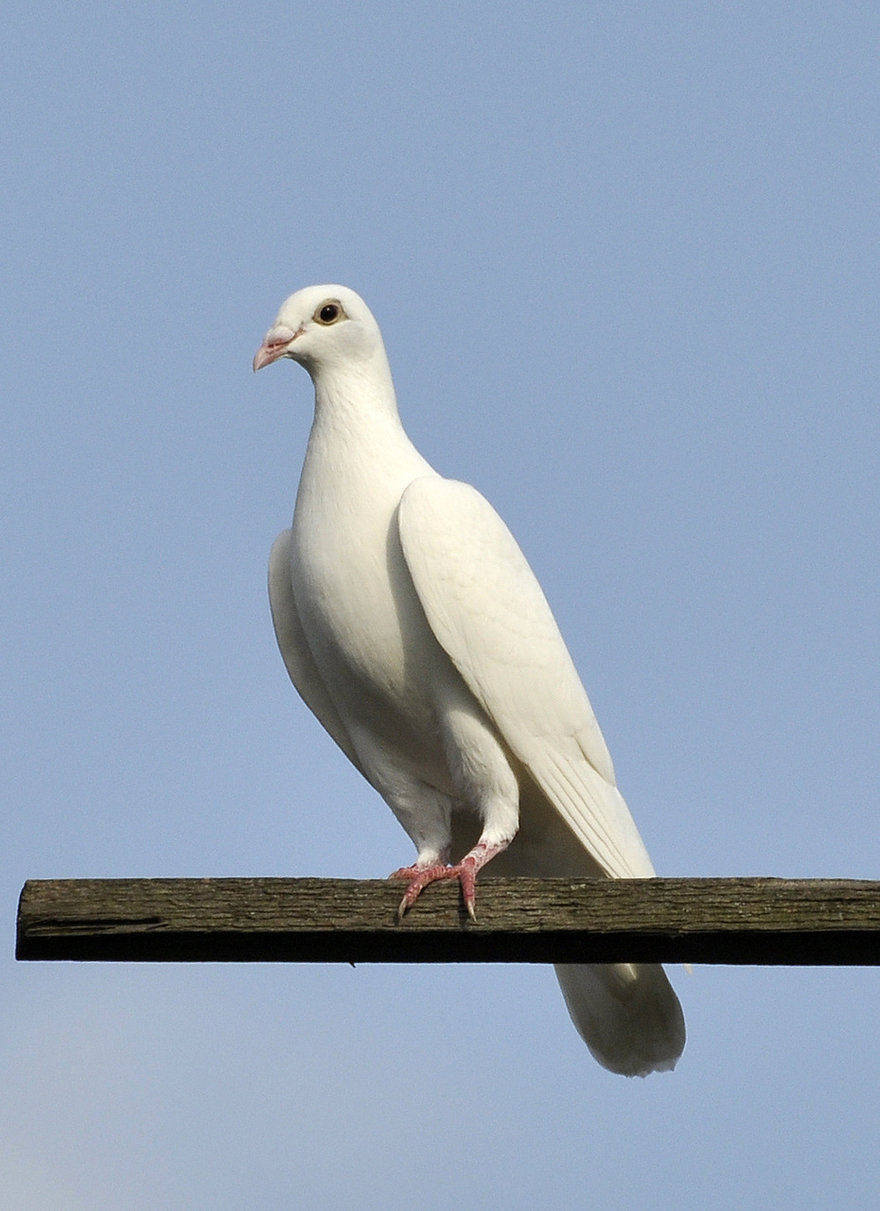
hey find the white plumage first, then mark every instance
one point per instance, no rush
(412, 626)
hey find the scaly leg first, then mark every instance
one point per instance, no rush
(465, 871)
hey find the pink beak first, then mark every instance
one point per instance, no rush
(274, 345)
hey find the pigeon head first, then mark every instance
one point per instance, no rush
(321, 327)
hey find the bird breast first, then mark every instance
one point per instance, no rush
(359, 610)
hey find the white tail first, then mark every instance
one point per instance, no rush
(628, 1015)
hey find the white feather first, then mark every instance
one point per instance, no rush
(414, 629)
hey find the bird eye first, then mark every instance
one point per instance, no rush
(329, 313)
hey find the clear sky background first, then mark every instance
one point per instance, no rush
(625, 259)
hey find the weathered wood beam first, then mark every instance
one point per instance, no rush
(779, 921)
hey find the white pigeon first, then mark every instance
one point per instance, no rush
(412, 626)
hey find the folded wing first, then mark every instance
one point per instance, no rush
(295, 650)
(488, 612)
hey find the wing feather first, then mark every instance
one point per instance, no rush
(295, 650)
(488, 612)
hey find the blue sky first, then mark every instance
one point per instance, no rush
(625, 258)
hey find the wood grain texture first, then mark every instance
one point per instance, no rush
(756, 921)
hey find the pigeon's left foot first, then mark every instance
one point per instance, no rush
(465, 871)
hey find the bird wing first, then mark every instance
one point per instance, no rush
(488, 612)
(295, 650)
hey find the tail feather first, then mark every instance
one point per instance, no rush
(628, 1015)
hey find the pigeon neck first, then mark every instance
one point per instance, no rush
(356, 393)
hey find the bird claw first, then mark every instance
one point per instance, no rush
(420, 876)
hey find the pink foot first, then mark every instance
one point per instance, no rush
(465, 871)
(420, 876)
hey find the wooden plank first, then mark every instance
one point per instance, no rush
(756, 921)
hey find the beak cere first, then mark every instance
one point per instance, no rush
(274, 345)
